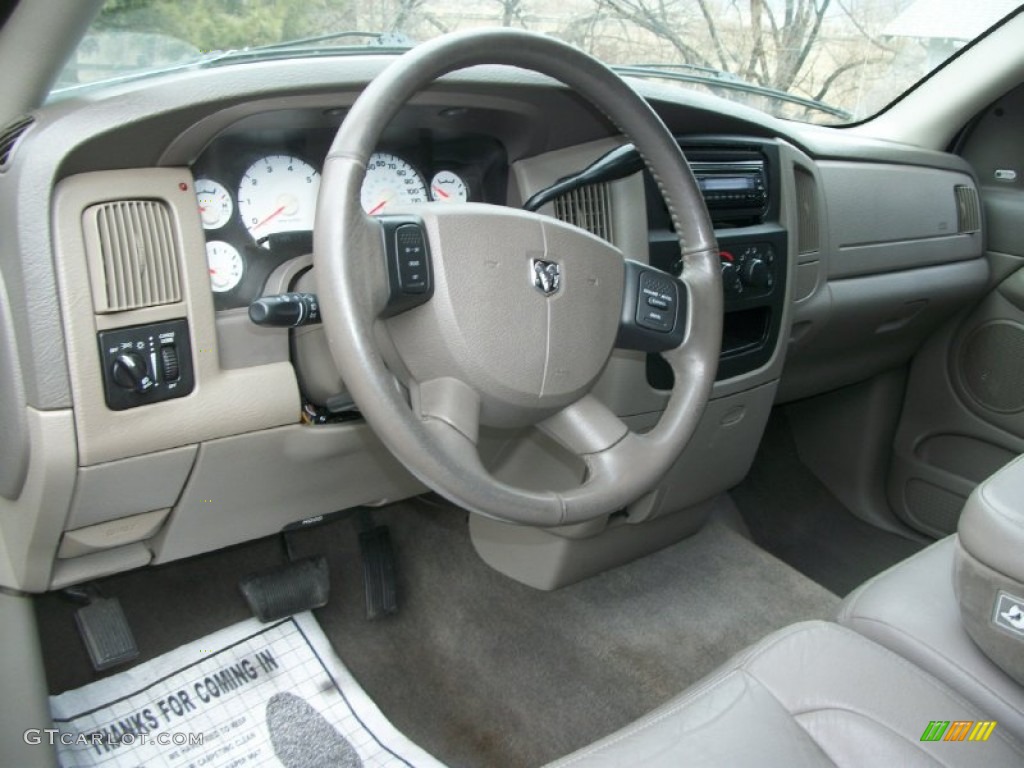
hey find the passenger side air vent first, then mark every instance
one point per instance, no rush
(968, 209)
(808, 223)
(133, 255)
(589, 208)
(9, 138)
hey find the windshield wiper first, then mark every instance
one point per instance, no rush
(383, 41)
(716, 78)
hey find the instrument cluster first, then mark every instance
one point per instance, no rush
(257, 196)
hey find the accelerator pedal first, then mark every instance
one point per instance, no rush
(284, 590)
(105, 632)
(378, 556)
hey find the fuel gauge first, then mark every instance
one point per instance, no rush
(448, 187)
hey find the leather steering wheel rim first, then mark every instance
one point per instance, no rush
(434, 434)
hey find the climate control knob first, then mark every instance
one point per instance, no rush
(731, 282)
(129, 371)
(756, 274)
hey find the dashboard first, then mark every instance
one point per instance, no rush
(842, 254)
(256, 187)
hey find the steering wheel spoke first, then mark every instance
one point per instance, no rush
(586, 427)
(452, 402)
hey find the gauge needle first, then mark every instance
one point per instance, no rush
(441, 192)
(268, 218)
(213, 271)
(378, 206)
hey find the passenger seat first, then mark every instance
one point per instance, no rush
(946, 609)
(932, 676)
(812, 694)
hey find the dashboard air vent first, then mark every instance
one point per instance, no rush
(589, 208)
(808, 223)
(137, 253)
(968, 209)
(9, 137)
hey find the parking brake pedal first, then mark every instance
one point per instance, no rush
(378, 567)
(105, 632)
(287, 589)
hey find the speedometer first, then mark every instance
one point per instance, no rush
(390, 180)
(278, 194)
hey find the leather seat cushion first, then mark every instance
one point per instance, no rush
(812, 694)
(912, 609)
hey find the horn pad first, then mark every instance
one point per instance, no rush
(525, 309)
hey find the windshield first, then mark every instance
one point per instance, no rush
(824, 61)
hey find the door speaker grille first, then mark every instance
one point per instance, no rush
(137, 253)
(934, 507)
(992, 366)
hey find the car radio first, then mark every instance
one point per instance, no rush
(732, 185)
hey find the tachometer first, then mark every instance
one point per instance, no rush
(225, 264)
(390, 180)
(215, 206)
(278, 194)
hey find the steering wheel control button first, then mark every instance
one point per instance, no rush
(411, 250)
(285, 310)
(146, 364)
(410, 279)
(656, 303)
(653, 310)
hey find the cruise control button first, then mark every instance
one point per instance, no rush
(656, 302)
(411, 251)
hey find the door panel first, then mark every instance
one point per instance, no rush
(963, 416)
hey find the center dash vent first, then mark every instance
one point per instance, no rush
(968, 209)
(808, 232)
(589, 208)
(9, 138)
(133, 255)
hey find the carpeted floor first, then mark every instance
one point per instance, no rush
(475, 668)
(791, 514)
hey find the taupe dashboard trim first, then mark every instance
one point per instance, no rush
(224, 402)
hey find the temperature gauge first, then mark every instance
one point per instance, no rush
(448, 187)
(226, 265)
(215, 206)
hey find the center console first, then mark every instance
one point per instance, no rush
(740, 186)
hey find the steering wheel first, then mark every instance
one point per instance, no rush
(443, 318)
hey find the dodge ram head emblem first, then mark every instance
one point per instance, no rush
(547, 276)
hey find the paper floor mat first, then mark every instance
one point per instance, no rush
(249, 695)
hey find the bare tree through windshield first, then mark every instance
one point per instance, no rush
(850, 56)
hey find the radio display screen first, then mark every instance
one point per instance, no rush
(727, 184)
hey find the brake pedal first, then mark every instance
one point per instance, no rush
(379, 580)
(105, 631)
(287, 589)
